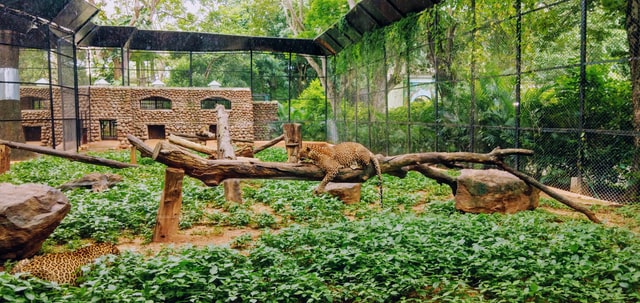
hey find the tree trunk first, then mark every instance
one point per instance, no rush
(213, 172)
(69, 155)
(168, 219)
(223, 136)
(292, 140)
(191, 145)
(5, 160)
(268, 144)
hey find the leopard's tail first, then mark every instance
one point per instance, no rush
(376, 165)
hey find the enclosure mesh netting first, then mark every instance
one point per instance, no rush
(473, 76)
(465, 76)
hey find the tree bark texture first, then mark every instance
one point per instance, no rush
(168, 217)
(68, 155)
(194, 146)
(5, 158)
(292, 140)
(213, 172)
(268, 144)
(223, 136)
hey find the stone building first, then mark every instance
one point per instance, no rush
(112, 112)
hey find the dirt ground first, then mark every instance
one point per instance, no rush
(198, 235)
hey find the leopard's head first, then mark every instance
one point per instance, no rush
(303, 155)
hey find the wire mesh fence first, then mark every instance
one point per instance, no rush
(472, 76)
(553, 77)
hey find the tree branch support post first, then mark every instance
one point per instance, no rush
(132, 155)
(214, 172)
(168, 217)
(292, 140)
(268, 144)
(232, 190)
(5, 158)
(68, 155)
(562, 199)
(192, 145)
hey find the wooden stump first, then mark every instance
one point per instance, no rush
(5, 158)
(292, 140)
(349, 193)
(232, 190)
(170, 204)
(133, 155)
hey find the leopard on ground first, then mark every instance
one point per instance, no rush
(64, 268)
(331, 158)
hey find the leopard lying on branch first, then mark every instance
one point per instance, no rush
(331, 158)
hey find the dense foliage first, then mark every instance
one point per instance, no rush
(316, 249)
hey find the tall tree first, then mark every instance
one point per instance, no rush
(633, 35)
(306, 19)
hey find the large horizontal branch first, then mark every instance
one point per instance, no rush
(192, 145)
(213, 172)
(68, 155)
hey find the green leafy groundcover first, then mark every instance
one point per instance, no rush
(324, 251)
(441, 256)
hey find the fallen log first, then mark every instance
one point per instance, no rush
(213, 172)
(191, 145)
(68, 155)
(562, 199)
(205, 133)
(268, 144)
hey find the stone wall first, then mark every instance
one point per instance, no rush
(42, 117)
(264, 113)
(122, 104)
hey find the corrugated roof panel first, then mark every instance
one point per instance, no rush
(352, 33)
(339, 36)
(408, 7)
(363, 21)
(108, 36)
(46, 9)
(328, 43)
(367, 16)
(382, 11)
(75, 14)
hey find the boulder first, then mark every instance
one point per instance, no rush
(492, 190)
(349, 193)
(28, 215)
(96, 181)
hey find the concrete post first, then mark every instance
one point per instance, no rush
(10, 114)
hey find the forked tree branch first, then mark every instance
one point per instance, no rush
(213, 172)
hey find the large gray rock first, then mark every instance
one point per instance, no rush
(29, 213)
(492, 190)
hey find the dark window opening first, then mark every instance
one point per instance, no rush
(32, 133)
(156, 131)
(155, 103)
(210, 103)
(28, 103)
(108, 130)
(213, 128)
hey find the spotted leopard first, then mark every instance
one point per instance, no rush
(331, 158)
(64, 268)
